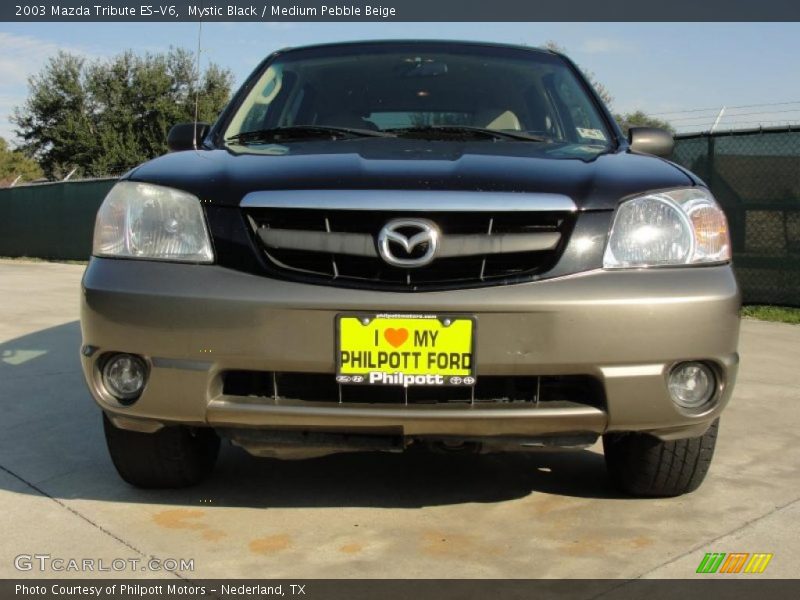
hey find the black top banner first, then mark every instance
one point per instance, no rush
(401, 10)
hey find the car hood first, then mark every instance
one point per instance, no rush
(593, 179)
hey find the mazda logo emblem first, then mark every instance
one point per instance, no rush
(399, 237)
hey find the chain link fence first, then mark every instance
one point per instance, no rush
(755, 176)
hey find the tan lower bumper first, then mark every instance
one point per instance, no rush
(409, 421)
(625, 328)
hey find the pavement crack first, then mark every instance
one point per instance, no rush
(83, 517)
(722, 535)
(699, 546)
(78, 514)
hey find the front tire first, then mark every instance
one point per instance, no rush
(643, 465)
(172, 457)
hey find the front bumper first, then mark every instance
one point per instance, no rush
(626, 329)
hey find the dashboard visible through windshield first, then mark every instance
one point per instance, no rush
(421, 90)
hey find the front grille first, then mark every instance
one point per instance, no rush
(323, 388)
(338, 247)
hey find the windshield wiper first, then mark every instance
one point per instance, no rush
(445, 131)
(295, 132)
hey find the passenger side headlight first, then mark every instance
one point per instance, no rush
(142, 220)
(676, 227)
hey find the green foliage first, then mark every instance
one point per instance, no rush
(602, 90)
(14, 163)
(104, 117)
(627, 120)
(779, 314)
(641, 119)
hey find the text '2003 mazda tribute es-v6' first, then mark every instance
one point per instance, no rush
(391, 244)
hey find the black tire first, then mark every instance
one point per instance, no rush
(642, 465)
(172, 457)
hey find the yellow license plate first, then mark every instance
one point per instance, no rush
(388, 349)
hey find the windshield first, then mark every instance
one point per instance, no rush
(397, 87)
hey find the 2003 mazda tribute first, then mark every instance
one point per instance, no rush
(387, 244)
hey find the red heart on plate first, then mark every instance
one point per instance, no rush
(396, 337)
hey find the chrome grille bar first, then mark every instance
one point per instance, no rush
(362, 244)
(409, 200)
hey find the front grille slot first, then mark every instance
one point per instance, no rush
(338, 247)
(323, 388)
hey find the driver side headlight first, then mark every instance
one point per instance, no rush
(676, 227)
(142, 220)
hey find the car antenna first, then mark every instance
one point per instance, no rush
(197, 83)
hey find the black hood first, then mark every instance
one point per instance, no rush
(593, 180)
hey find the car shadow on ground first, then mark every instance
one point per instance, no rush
(51, 442)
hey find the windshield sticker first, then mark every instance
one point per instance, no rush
(269, 149)
(591, 134)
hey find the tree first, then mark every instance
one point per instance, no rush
(637, 118)
(104, 117)
(14, 164)
(601, 89)
(641, 119)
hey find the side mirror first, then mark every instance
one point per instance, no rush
(182, 136)
(651, 140)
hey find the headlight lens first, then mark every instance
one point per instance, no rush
(141, 220)
(677, 227)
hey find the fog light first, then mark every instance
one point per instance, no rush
(124, 376)
(691, 384)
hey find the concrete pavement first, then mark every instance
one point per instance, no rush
(374, 515)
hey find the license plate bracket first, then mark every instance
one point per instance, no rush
(405, 349)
